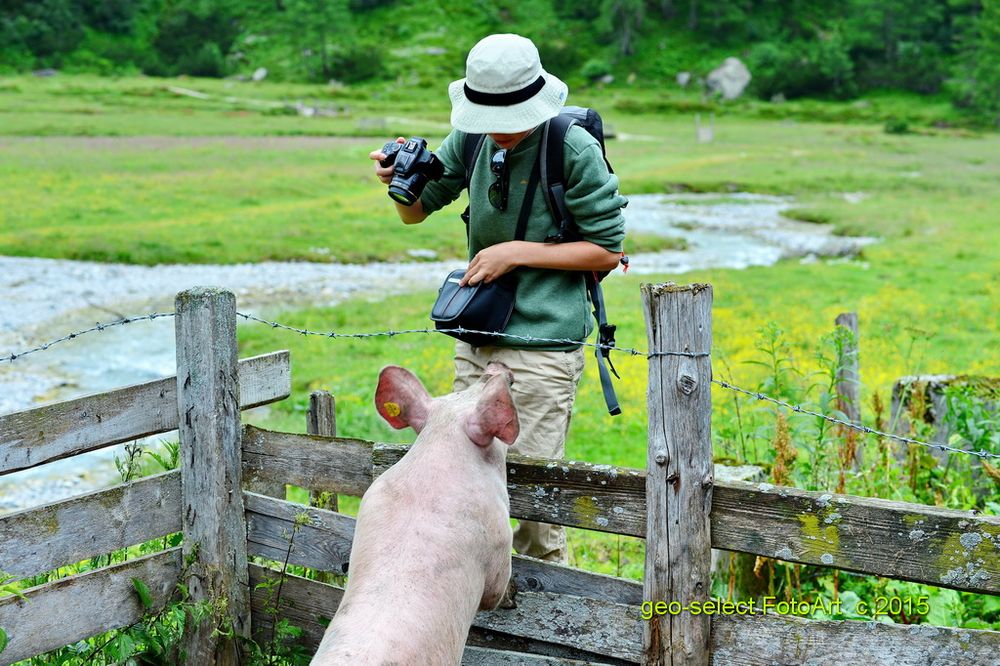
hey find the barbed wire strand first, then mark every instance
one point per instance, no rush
(798, 409)
(72, 336)
(982, 453)
(460, 331)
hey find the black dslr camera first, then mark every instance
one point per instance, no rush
(415, 165)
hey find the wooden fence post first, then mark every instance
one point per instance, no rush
(215, 534)
(849, 379)
(321, 419)
(679, 472)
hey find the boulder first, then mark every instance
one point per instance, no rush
(683, 79)
(729, 79)
(259, 74)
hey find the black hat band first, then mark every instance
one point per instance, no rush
(505, 99)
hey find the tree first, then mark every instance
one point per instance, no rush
(47, 29)
(722, 20)
(114, 16)
(312, 25)
(193, 37)
(623, 18)
(899, 43)
(987, 71)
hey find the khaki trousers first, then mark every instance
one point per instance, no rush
(544, 390)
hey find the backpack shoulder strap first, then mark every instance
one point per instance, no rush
(553, 174)
(553, 180)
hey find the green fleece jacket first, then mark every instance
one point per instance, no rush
(550, 303)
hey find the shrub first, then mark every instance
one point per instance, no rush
(595, 68)
(193, 39)
(206, 61)
(802, 68)
(357, 62)
(897, 126)
(559, 56)
(921, 67)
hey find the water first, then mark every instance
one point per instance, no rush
(43, 299)
(728, 231)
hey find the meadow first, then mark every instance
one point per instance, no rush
(126, 170)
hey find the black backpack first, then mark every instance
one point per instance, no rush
(553, 184)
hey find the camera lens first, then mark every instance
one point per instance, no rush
(401, 195)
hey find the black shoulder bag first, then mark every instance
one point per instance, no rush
(476, 314)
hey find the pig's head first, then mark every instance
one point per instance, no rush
(484, 410)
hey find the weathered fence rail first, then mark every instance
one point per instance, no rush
(36, 436)
(915, 542)
(68, 610)
(77, 529)
(562, 615)
(547, 590)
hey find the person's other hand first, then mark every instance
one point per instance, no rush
(492, 262)
(384, 173)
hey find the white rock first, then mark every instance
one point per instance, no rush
(730, 79)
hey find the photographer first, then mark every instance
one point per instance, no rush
(507, 96)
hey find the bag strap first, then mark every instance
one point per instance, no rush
(529, 199)
(606, 341)
(471, 147)
(549, 156)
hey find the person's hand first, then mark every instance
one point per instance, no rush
(384, 173)
(492, 262)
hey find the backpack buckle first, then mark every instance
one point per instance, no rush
(606, 340)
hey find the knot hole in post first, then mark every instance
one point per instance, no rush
(687, 383)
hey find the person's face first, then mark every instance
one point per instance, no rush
(508, 141)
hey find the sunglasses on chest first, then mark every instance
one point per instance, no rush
(498, 190)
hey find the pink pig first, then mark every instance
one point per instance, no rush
(433, 539)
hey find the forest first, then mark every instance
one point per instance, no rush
(835, 49)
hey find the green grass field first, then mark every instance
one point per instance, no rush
(191, 180)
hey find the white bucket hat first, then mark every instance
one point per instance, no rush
(505, 89)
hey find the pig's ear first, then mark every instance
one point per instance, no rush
(494, 415)
(401, 399)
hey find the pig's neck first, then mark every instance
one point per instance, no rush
(447, 440)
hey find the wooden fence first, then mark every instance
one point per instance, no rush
(562, 615)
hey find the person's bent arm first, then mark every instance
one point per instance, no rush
(411, 214)
(496, 260)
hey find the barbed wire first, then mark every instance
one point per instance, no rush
(72, 336)
(461, 331)
(798, 409)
